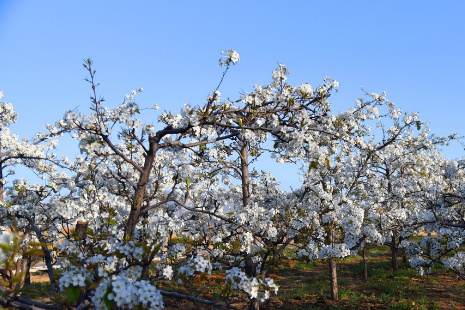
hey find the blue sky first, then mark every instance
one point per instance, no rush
(413, 50)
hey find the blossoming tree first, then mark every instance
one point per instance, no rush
(149, 204)
(17, 211)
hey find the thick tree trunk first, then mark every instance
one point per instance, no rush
(134, 214)
(140, 192)
(145, 274)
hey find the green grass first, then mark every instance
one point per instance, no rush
(385, 289)
(37, 291)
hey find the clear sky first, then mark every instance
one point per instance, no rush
(413, 50)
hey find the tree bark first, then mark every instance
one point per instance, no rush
(254, 305)
(333, 279)
(40, 236)
(140, 192)
(244, 156)
(145, 274)
(394, 262)
(428, 246)
(245, 181)
(1, 183)
(27, 279)
(20, 270)
(332, 268)
(81, 230)
(365, 266)
(245, 174)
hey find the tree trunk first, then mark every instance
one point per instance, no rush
(394, 263)
(20, 271)
(145, 274)
(1, 182)
(81, 231)
(140, 191)
(244, 156)
(428, 246)
(332, 268)
(333, 279)
(365, 266)
(254, 304)
(245, 174)
(27, 279)
(249, 266)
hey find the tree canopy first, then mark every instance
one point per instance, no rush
(148, 207)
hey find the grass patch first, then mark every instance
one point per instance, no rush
(385, 289)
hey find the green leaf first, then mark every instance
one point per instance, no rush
(156, 249)
(108, 303)
(73, 293)
(35, 252)
(4, 247)
(112, 222)
(313, 165)
(188, 182)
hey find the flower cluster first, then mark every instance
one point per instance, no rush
(333, 251)
(7, 113)
(456, 263)
(237, 279)
(127, 294)
(229, 56)
(195, 265)
(74, 277)
(133, 93)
